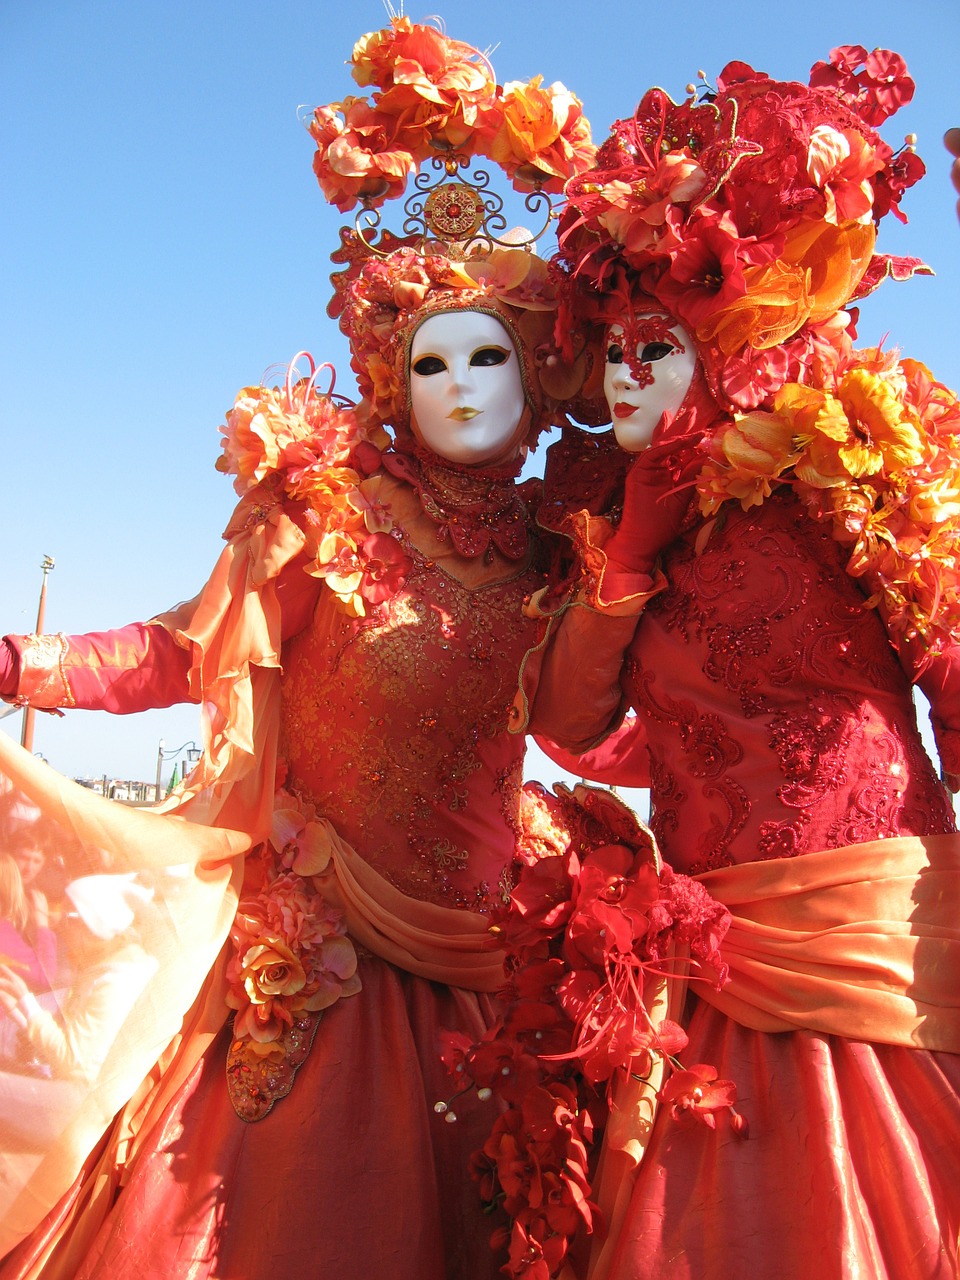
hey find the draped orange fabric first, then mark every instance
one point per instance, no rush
(862, 942)
(51, 1122)
(439, 943)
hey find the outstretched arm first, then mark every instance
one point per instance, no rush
(130, 669)
(133, 668)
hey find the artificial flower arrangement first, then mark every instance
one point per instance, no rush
(874, 450)
(432, 94)
(290, 959)
(294, 444)
(748, 212)
(595, 925)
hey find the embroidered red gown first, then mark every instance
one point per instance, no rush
(778, 721)
(394, 725)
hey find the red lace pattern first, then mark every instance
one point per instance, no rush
(778, 716)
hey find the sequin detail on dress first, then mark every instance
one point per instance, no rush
(395, 724)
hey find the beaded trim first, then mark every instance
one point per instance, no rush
(255, 1082)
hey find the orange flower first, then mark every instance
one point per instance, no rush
(538, 134)
(878, 435)
(258, 432)
(290, 955)
(521, 279)
(433, 87)
(362, 154)
(301, 841)
(757, 449)
(815, 274)
(386, 386)
(338, 562)
(422, 57)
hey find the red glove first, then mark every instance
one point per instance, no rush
(656, 498)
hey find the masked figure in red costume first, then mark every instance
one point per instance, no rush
(782, 572)
(356, 652)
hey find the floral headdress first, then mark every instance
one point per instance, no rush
(749, 213)
(436, 107)
(380, 303)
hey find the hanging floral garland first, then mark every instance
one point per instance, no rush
(596, 925)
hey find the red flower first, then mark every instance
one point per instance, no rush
(540, 902)
(535, 1252)
(903, 171)
(612, 901)
(504, 1065)
(874, 84)
(697, 1093)
(706, 271)
(455, 1049)
(385, 567)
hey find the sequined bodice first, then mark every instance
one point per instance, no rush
(394, 725)
(778, 717)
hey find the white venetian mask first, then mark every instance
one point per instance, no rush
(466, 393)
(641, 391)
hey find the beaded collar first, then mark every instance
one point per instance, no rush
(479, 511)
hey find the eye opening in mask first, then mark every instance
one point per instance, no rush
(614, 353)
(489, 357)
(426, 366)
(656, 351)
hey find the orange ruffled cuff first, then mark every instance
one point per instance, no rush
(605, 585)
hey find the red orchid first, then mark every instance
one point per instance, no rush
(697, 1093)
(540, 903)
(612, 901)
(535, 1252)
(904, 170)
(505, 1065)
(385, 566)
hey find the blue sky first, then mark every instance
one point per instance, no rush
(164, 242)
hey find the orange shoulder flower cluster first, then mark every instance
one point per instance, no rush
(293, 445)
(433, 94)
(874, 451)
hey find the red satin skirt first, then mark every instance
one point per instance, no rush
(851, 1170)
(353, 1176)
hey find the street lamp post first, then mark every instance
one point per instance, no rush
(193, 755)
(156, 794)
(26, 733)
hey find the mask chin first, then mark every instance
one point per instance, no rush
(463, 452)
